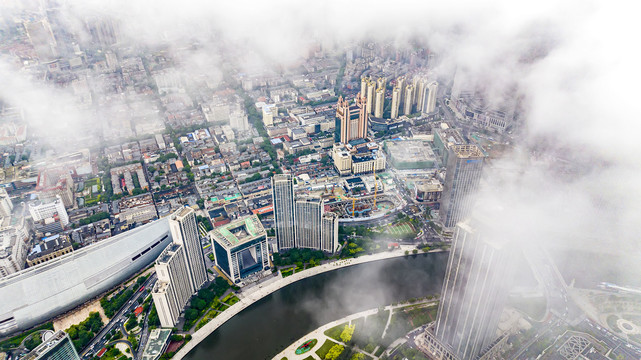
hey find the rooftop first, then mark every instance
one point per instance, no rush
(238, 232)
(156, 344)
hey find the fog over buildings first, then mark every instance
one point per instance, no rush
(567, 71)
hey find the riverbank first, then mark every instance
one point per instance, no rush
(250, 296)
(321, 337)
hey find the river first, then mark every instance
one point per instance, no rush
(266, 327)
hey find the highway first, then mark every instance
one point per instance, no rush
(98, 342)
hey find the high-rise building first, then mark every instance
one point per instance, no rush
(57, 347)
(474, 293)
(184, 231)
(371, 93)
(42, 211)
(380, 102)
(6, 206)
(409, 100)
(13, 249)
(351, 119)
(309, 214)
(103, 31)
(364, 81)
(396, 102)
(329, 241)
(283, 200)
(240, 248)
(174, 287)
(301, 222)
(462, 177)
(429, 99)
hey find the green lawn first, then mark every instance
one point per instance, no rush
(335, 332)
(322, 351)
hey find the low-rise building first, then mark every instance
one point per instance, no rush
(56, 209)
(138, 209)
(49, 248)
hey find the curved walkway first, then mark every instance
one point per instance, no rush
(258, 292)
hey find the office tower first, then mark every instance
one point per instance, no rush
(174, 287)
(407, 105)
(396, 102)
(474, 293)
(371, 93)
(283, 200)
(57, 347)
(380, 102)
(6, 206)
(309, 214)
(184, 231)
(42, 39)
(351, 120)
(329, 241)
(463, 173)
(429, 102)
(240, 248)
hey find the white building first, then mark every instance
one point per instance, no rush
(174, 288)
(40, 211)
(6, 206)
(184, 231)
(13, 250)
(269, 112)
(429, 101)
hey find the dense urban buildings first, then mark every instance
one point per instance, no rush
(240, 248)
(475, 291)
(56, 347)
(463, 174)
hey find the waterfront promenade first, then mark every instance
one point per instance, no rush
(257, 292)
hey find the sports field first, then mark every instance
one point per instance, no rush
(399, 229)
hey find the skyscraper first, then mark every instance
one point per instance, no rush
(301, 222)
(380, 103)
(351, 119)
(462, 177)
(371, 93)
(184, 231)
(309, 214)
(329, 241)
(429, 102)
(283, 200)
(57, 347)
(475, 290)
(396, 102)
(409, 100)
(174, 287)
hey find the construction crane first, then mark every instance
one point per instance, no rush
(341, 198)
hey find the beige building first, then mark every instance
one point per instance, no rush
(269, 112)
(408, 104)
(53, 183)
(174, 288)
(396, 102)
(349, 159)
(380, 102)
(353, 118)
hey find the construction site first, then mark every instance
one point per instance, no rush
(360, 197)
